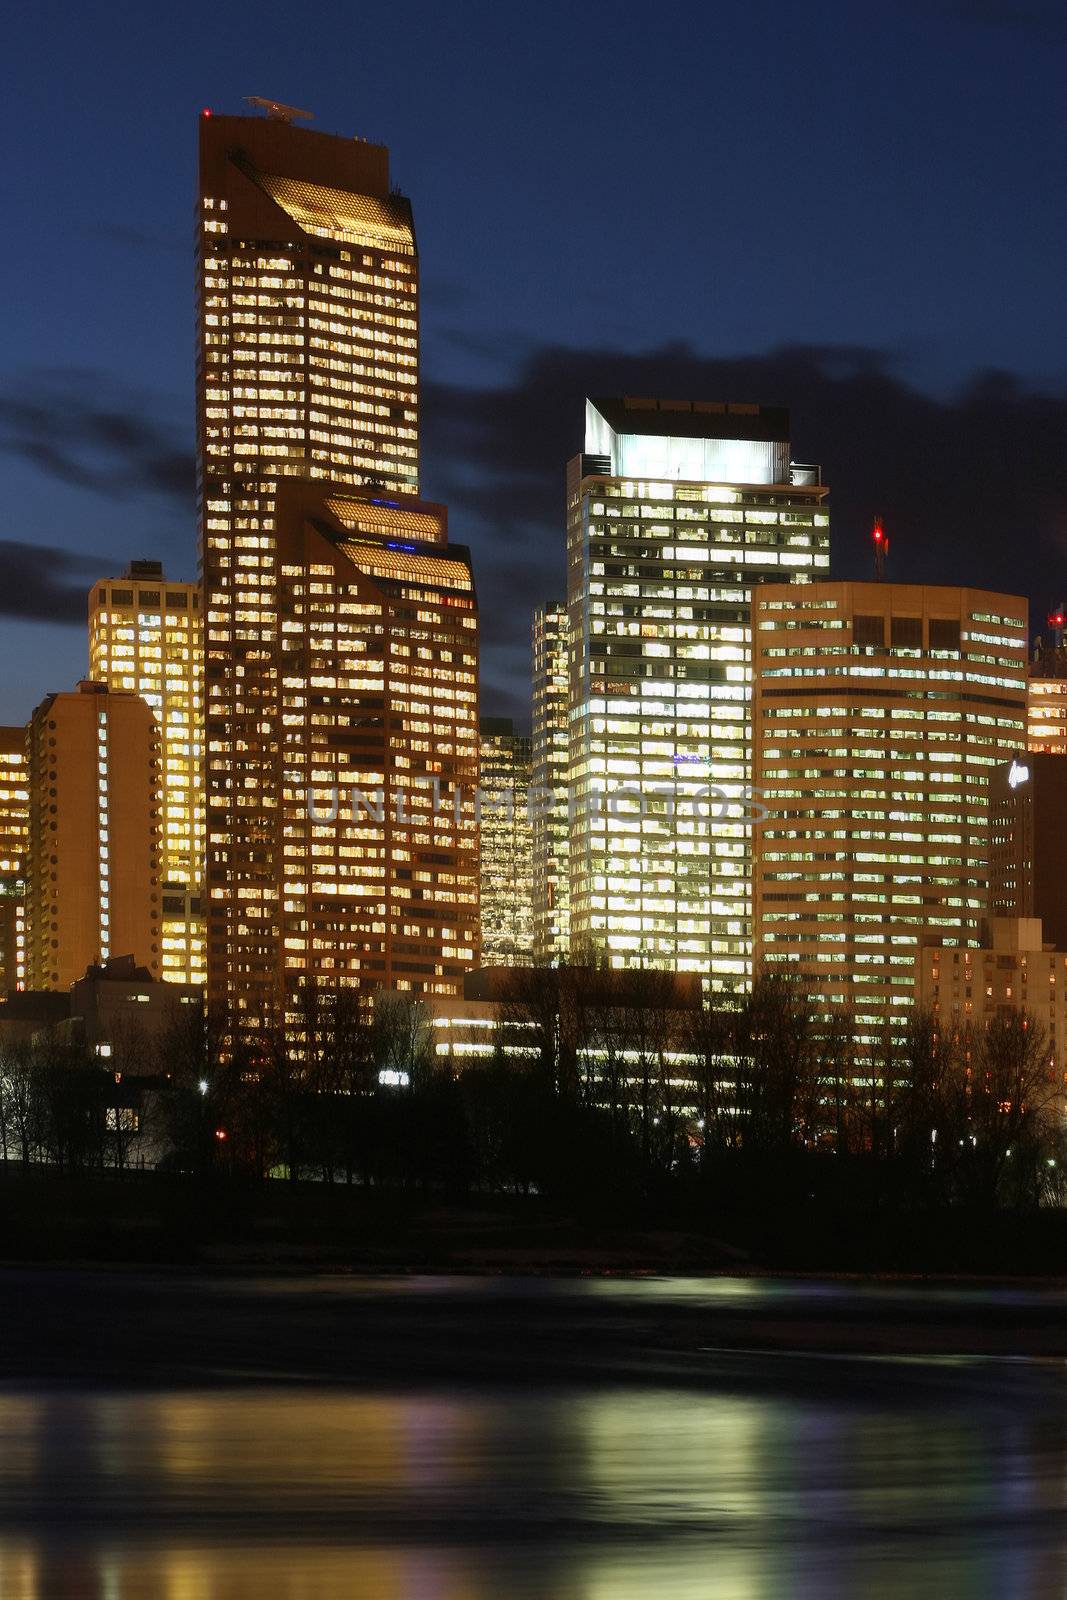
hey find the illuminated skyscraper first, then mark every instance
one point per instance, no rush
(677, 510)
(340, 626)
(14, 838)
(1046, 700)
(92, 883)
(505, 844)
(550, 838)
(145, 636)
(882, 710)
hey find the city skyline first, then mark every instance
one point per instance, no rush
(850, 323)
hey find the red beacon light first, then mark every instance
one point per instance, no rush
(206, 111)
(881, 547)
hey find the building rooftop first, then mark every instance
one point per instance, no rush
(694, 419)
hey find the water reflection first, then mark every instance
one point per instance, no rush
(282, 1494)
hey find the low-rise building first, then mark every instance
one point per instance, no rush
(1013, 971)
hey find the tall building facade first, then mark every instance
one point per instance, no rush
(1028, 857)
(145, 636)
(14, 841)
(1046, 700)
(881, 713)
(550, 821)
(340, 626)
(93, 869)
(505, 844)
(677, 512)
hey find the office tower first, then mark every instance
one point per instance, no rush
(677, 511)
(550, 823)
(1028, 858)
(92, 882)
(1012, 970)
(145, 636)
(14, 835)
(1046, 699)
(505, 844)
(312, 541)
(881, 711)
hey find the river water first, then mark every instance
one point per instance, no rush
(674, 1467)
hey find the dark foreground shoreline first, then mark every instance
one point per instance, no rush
(142, 1280)
(152, 1219)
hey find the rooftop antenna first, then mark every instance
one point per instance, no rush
(880, 541)
(277, 111)
(1057, 618)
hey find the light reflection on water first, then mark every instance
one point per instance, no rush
(284, 1494)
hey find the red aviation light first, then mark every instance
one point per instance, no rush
(206, 111)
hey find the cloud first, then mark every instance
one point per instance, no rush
(145, 241)
(77, 427)
(973, 487)
(43, 583)
(1001, 14)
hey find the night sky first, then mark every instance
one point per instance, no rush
(856, 211)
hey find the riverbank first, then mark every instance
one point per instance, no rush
(151, 1219)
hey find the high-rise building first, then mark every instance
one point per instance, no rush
(1028, 858)
(145, 636)
(14, 839)
(93, 873)
(340, 626)
(1046, 700)
(881, 712)
(677, 511)
(505, 844)
(550, 822)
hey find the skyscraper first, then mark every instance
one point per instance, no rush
(340, 626)
(145, 636)
(1046, 700)
(505, 844)
(550, 823)
(677, 510)
(1028, 860)
(14, 839)
(881, 713)
(92, 883)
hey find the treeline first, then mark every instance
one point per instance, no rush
(597, 1091)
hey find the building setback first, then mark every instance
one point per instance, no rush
(677, 512)
(550, 823)
(1028, 858)
(340, 626)
(145, 636)
(93, 886)
(881, 711)
(505, 844)
(14, 839)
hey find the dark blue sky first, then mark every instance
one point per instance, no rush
(855, 211)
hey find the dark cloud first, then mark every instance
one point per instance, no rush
(42, 583)
(1027, 19)
(146, 241)
(78, 428)
(973, 487)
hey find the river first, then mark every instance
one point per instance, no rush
(434, 1439)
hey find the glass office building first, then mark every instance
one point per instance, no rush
(676, 512)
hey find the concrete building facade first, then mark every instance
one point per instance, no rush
(93, 884)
